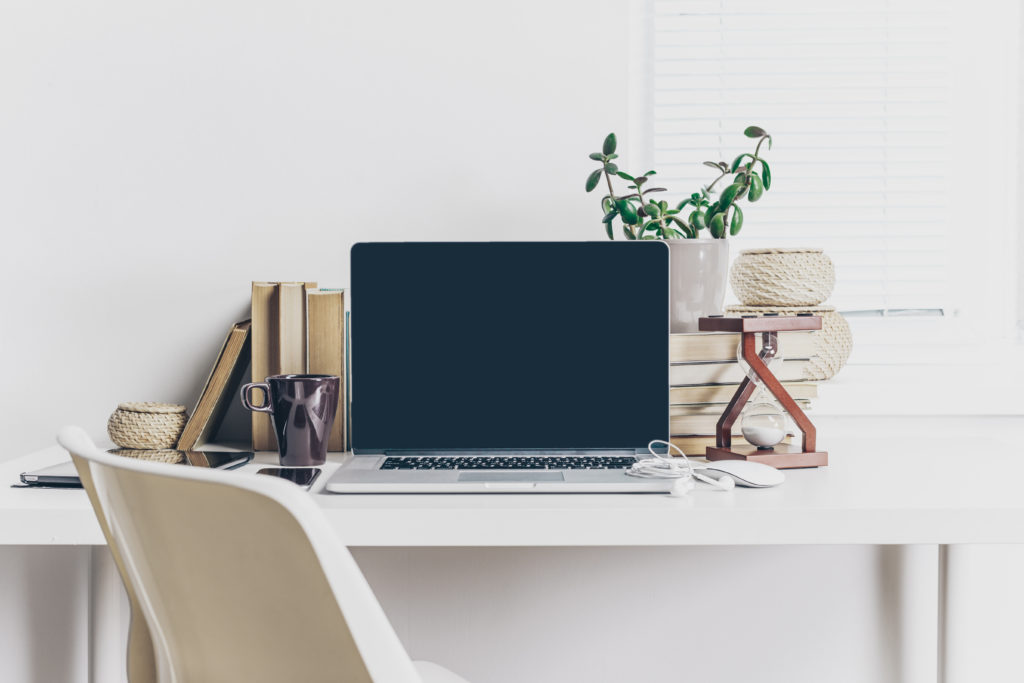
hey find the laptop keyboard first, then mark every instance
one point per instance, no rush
(513, 462)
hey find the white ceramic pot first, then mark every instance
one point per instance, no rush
(699, 272)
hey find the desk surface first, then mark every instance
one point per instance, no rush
(917, 488)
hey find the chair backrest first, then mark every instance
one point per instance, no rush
(240, 577)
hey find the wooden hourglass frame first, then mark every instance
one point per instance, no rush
(781, 456)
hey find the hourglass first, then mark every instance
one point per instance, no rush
(763, 423)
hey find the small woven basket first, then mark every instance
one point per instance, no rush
(148, 426)
(833, 342)
(782, 277)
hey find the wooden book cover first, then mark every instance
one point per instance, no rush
(221, 385)
(265, 356)
(292, 326)
(723, 393)
(325, 312)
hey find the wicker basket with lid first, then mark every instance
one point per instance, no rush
(147, 425)
(782, 277)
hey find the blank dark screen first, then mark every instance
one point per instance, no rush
(514, 345)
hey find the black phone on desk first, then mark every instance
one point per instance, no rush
(303, 476)
(64, 475)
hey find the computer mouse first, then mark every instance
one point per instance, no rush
(745, 473)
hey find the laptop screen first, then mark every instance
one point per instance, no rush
(516, 345)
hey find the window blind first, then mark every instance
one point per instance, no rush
(857, 97)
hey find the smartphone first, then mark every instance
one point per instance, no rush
(303, 476)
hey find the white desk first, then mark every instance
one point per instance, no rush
(903, 490)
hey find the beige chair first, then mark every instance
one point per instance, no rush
(236, 577)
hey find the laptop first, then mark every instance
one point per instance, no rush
(65, 475)
(506, 367)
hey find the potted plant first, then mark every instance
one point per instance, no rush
(695, 228)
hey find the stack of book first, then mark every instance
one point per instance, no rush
(295, 328)
(704, 375)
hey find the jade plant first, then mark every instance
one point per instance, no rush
(644, 217)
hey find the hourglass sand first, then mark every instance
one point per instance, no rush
(763, 422)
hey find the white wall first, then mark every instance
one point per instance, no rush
(156, 158)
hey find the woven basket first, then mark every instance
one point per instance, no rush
(163, 455)
(147, 425)
(833, 342)
(782, 277)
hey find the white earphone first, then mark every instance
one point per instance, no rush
(667, 467)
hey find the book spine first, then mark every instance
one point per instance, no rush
(325, 335)
(348, 381)
(265, 356)
(292, 327)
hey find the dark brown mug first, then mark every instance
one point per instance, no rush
(302, 409)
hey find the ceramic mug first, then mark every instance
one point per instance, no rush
(302, 409)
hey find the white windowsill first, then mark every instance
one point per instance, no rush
(992, 387)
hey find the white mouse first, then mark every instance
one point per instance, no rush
(745, 473)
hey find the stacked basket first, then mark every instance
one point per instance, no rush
(148, 430)
(792, 281)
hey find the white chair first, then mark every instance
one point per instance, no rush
(239, 577)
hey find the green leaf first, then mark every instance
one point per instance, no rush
(729, 194)
(697, 220)
(717, 226)
(682, 205)
(709, 214)
(610, 216)
(611, 156)
(597, 156)
(628, 233)
(626, 176)
(769, 142)
(593, 179)
(755, 132)
(640, 180)
(606, 204)
(712, 164)
(744, 183)
(695, 196)
(609, 144)
(654, 189)
(766, 175)
(629, 214)
(737, 220)
(652, 210)
(736, 162)
(756, 188)
(610, 168)
(651, 173)
(608, 229)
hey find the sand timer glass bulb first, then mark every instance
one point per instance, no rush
(762, 422)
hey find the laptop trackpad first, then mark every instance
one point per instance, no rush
(491, 475)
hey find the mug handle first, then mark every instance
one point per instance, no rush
(247, 397)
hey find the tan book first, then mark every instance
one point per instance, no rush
(715, 408)
(265, 356)
(721, 346)
(730, 372)
(220, 389)
(696, 446)
(700, 423)
(292, 326)
(722, 393)
(325, 313)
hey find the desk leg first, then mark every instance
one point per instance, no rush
(946, 620)
(106, 650)
(981, 613)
